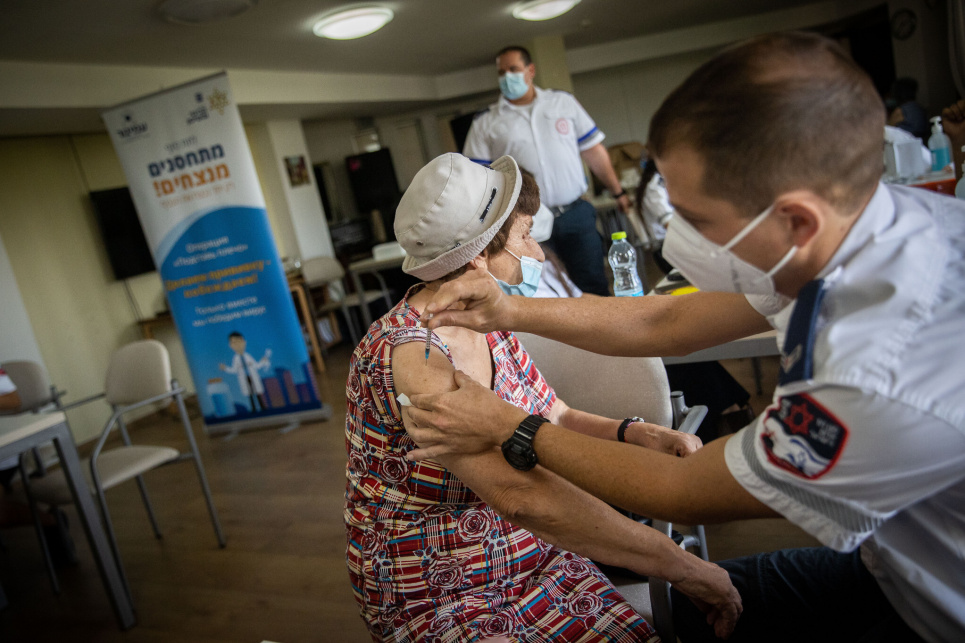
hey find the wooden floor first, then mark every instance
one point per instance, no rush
(282, 576)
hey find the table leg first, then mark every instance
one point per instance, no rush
(90, 518)
(363, 305)
(307, 314)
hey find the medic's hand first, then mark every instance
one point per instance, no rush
(471, 419)
(710, 589)
(487, 308)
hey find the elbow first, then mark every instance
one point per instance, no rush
(523, 507)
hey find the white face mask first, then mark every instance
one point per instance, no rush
(715, 268)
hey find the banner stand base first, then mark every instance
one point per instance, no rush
(285, 423)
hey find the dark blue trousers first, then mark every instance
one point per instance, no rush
(809, 595)
(580, 247)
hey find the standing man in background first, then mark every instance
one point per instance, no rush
(549, 133)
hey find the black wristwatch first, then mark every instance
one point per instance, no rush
(518, 449)
(622, 431)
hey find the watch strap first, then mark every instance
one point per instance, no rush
(622, 431)
(521, 443)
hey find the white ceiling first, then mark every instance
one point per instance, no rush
(427, 38)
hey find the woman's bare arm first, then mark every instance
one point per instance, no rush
(644, 434)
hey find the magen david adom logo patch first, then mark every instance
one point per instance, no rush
(803, 437)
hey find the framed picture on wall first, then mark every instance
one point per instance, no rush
(297, 170)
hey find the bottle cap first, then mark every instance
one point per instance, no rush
(616, 236)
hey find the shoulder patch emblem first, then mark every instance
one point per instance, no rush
(801, 436)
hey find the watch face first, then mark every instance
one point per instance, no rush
(518, 456)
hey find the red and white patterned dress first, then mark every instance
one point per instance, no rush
(429, 561)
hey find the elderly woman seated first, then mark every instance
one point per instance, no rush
(431, 555)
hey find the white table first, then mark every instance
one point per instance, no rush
(754, 346)
(21, 433)
(358, 268)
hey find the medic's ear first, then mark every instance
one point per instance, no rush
(806, 215)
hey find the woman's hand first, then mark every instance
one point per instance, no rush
(660, 438)
(711, 590)
(471, 419)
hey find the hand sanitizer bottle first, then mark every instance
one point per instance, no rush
(940, 146)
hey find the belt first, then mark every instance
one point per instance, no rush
(557, 210)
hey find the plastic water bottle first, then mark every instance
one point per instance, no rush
(623, 260)
(940, 146)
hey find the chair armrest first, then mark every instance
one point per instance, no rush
(695, 415)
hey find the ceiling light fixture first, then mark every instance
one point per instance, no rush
(352, 23)
(543, 9)
(199, 12)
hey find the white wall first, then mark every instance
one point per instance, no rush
(304, 203)
(17, 341)
(623, 99)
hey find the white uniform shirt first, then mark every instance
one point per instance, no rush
(545, 140)
(865, 439)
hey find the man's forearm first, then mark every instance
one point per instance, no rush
(693, 490)
(655, 326)
(598, 160)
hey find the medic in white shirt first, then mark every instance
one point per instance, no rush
(771, 154)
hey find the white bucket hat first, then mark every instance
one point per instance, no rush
(452, 210)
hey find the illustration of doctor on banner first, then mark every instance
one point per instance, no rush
(193, 181)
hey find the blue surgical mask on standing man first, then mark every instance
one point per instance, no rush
(513, 85)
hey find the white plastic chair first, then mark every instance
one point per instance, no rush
(139, 375)
(322, 272)
(623, 387)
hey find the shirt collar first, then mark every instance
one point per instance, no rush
(876, 217)
(504, 103)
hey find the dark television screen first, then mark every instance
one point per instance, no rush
(124, 240)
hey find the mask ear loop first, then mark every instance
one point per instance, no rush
(780, 264)
(743, 233)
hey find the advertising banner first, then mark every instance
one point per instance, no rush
(193, 182)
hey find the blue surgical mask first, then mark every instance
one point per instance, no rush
(513, 85)
(532, 270)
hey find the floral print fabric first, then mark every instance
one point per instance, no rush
(428, 560)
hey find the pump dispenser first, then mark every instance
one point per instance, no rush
(940, 146)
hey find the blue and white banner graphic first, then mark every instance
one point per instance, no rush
(193, 181)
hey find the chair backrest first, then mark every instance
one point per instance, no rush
(32, 384)
(137, 371)
(319, 271)
(614, 387)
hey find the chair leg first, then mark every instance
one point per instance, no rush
(148, 506)
(39, 528)
(702, 540)
(200, 469)
(660, 596)
(352, 328)
(111, 536)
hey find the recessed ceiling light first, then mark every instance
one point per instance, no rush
(198, 12)
(543, 9)
(352, 23)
